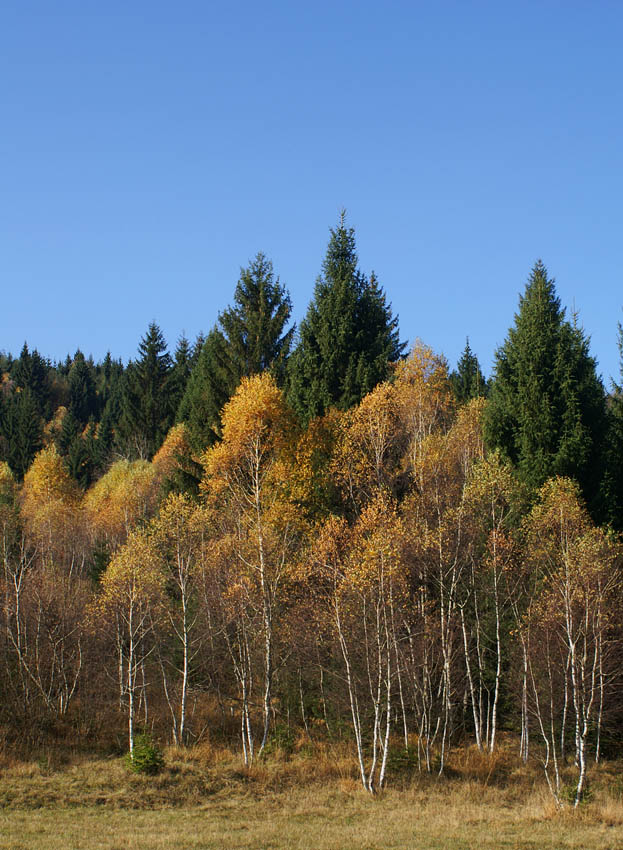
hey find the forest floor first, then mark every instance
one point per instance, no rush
(208, 800)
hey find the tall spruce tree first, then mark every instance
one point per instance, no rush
(546, 408)
(70, 430)
(211, 384)
(347, 340)
(30, 372)
(467, 380)
(21, 429)
(612, 488)
(180, 373)
(82, 392)
(250, 337)
(147, 411)
(254, 329)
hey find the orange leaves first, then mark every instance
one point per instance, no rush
(173, 453)
(365, 555)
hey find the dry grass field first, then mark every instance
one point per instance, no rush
(205, 799)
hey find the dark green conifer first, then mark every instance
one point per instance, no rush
(612, 486)
(250, 337)
(180, 373)
(21, 428)
(147, 413)
(546, 408)
(467, 380)
(30, 372)
(82, 392)
(347, 340)
(196, 350)
(209, 387)
(70, 429)
(255, 327)
(79, 462)
(104, 441)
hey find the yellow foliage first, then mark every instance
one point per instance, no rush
(47, 480)
(50, 507)
(311, 479)
(171, 454)
(133, 576)
(369, 454)
(424, 392)
(7, 483)
(257, 426)
(54, 426)
(123, 497)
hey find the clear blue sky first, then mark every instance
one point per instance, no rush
(150, 149)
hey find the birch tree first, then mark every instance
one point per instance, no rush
(245, 487)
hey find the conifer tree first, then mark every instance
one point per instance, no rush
(79, 463)
(347, 340)
(146, 401)
(182, 366)
(196, 349)
(82, 393)
(209, 387)
(30, 372)
(250, 337)
(22, 430)
(546, 408)
(104, 441)
(255, 327)
(70, 429)
(612, 487)
(467, 380)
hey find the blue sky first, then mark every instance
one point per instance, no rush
(148, 150)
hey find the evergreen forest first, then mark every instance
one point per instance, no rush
(274, 533)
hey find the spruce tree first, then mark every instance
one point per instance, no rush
(255, 327)
(70, 430)
(348, 338)
(30, 372)
(104, 441)
(180, 373)
(79, 462)
(196, 349)
(467, 380)
(82, 392)
(21, 428)
(250, 337)
(546, 408)
(147, 412)
(211, 384)
(612, 486)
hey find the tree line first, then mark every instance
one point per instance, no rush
(281, 532)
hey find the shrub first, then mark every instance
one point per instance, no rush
(146, 756)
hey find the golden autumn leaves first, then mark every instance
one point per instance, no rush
(377, 559)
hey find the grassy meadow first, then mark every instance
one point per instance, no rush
(204, 798)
